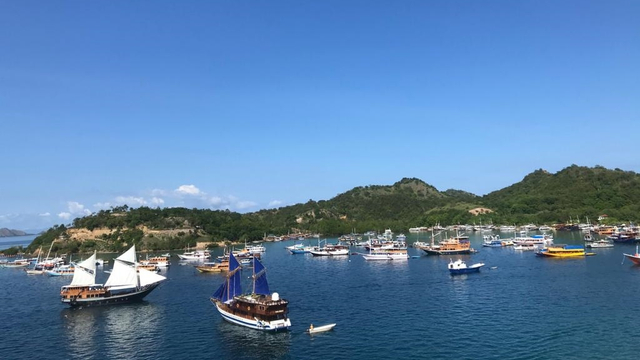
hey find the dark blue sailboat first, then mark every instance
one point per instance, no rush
(260, 310)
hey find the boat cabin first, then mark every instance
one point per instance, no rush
(82, 292)
(262, 307)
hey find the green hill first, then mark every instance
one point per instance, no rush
(540, 197)
(571, 192)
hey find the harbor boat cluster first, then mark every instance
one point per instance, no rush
(259, 308)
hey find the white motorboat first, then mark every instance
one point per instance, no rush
(198, 255)
(255, 249)
(386, 255)
(319, 329)
(525, 247)
(600, 244)
(460, 267)
(330, 250)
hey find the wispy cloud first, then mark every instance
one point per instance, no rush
(156, 201)
(74, 209)
(188, 195)
(132, 201)
(241, 205)
(275, 203)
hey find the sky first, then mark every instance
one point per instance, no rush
(246, 105)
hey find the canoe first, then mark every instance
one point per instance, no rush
(313, 330)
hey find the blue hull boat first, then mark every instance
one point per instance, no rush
(460, 267)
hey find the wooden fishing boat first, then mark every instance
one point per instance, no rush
(319, 329)
(126, 282)
(213, 267)
(149, 267)
(449, 247)
(159, 261)
(15, 264)
(260, 310)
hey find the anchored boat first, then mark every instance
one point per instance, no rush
(260, 310)
(635, 258)
(126, 283)
(460, 267)
(562, 251)
(319, 329)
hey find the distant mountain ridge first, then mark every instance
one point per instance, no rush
(540, 197)
(4, 232)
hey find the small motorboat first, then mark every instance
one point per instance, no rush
(314, 330)
(460, 267)
(635, 258)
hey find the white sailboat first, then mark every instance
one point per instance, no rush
(126, 282)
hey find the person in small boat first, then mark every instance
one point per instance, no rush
(311, 327)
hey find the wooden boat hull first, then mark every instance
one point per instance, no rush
(468, 270)
(35, 272)
(447, 252)
(112, 300)
(211, 269)
(56, 273)
(298, 251)
(385, 256)
(330, 253)
(561, 255)
(276, 325)
(634, 258)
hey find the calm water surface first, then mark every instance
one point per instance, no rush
(7, 242)
(527, 308)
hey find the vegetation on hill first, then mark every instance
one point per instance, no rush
(540, 197)
(574, 191)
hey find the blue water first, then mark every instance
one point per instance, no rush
(7, 242)
(527, 308)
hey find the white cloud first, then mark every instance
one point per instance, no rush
(244, 204)
(64, 215)
(102, 205)
(188, 190)
(45, 214)
(159, 192)
(75, 208)
(275, 203)
(156, 201)
(132, 201)
(216, 201)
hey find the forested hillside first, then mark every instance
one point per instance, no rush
(540, 197)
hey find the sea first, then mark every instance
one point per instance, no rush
(24, 241)
(518, 307)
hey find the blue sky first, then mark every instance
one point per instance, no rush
(254, 104)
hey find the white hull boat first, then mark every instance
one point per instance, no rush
(319, 329)
(386, 255)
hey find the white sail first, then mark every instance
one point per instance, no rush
(85, 272)
(123, 275)
(129, 256)
(147, 277)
